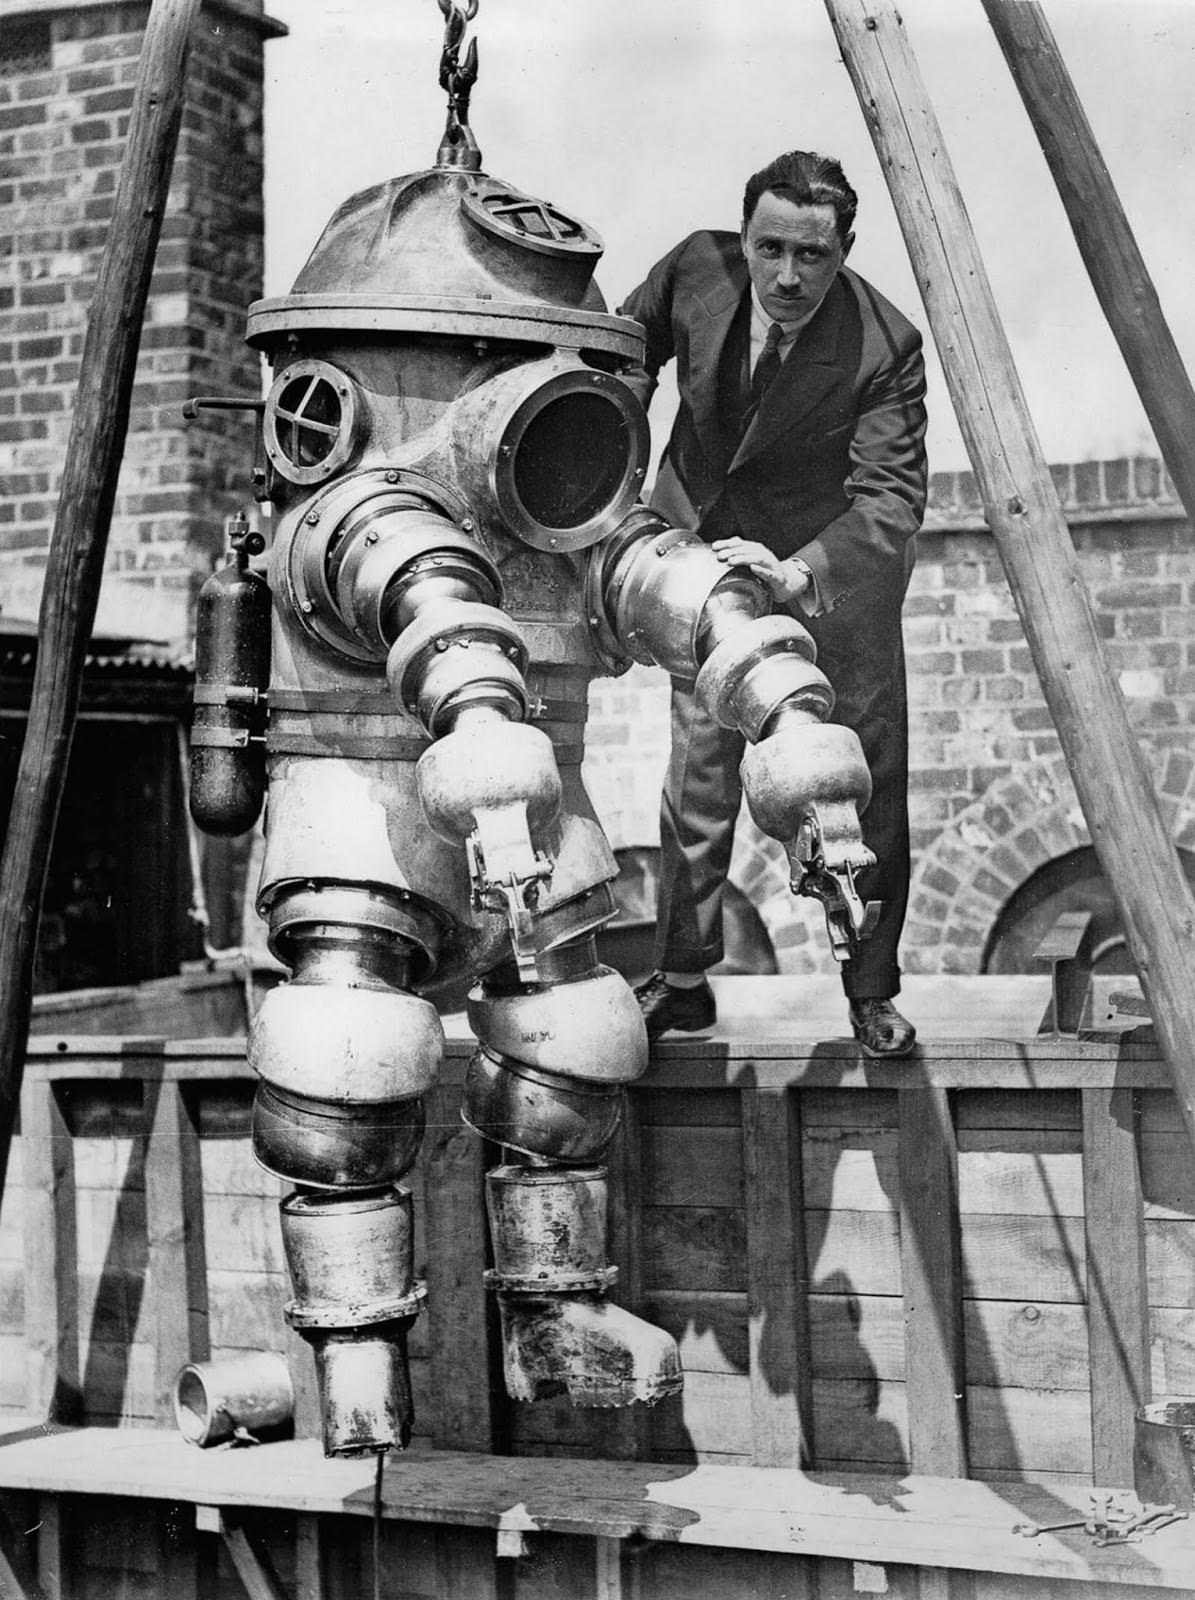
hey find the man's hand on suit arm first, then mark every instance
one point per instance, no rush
(789, 580)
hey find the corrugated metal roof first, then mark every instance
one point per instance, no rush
(109, 657)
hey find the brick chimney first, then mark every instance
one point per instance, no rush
(66, 88)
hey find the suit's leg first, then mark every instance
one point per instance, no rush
(700, 805)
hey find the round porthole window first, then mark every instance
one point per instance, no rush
(310, 423)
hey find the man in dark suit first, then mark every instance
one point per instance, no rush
(798, 451)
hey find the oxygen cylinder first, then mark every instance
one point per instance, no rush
(232, 670)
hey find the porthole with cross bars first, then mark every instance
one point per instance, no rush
(311, 421)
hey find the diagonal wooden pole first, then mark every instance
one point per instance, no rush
(1023, 511)
(74, 566)
(1106, 242)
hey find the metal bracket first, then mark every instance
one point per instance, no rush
(1068, 949)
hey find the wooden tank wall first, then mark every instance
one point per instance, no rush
(826, 1251)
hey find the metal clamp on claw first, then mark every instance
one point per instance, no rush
(848, 918)
(512, 892)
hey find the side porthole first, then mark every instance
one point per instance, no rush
(312, 422)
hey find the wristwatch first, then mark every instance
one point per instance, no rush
(808, 598)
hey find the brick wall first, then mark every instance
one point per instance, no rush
(66, 85)
(990, 798)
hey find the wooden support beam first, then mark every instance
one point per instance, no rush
(310, 1574)
(454, 1163)
(1117, 1291)
(52, 1547)
(777, 1275)
(466, 1564)
(75, 563)
(17, 1577)
(931, 1278)
(628, 1427)
(252, 1562)
(1022, 508)
(1106, 242)
(607, 1570)
(175, 1238)
(178, 1554)
(53, 1387)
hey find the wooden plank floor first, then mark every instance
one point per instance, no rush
(940, 1523)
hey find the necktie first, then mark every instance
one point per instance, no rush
(768, 364)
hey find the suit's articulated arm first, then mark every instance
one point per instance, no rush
(662, 597)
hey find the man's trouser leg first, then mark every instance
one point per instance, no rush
(868, 671)
(700, 805)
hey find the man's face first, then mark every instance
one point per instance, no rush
(793, 253)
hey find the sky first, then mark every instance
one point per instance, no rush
(645, 117)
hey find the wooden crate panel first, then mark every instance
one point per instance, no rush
(862, 1422)
(102, 1110)
(12, 1297)
(866, 1424)
(555, 1567)
(712, 1414)
(843, 1108)
(1021, 1344)
(112, 1304)
(673, 1572)
(118, 1381)
(678, 1108)
(1172, 1351)
(1168, 1170)
(229, 1168)
(1015, 1109)
(246, 1308)
(111, 1230)
(853, 1251)
(548, 1426)
(407, 1560)
(243, 1234)
(850, 1169)
(12, 1371)
(115, 1164)
(684, 1166)
(1027, 1344)
(857, 1336)
(686, 1262)
(1028, 1430)
(12, 1226)
(223, 1110)
(1039, 1258)
(117, 1536)
(1170, 1261)
(689, 1246)
(994, 1180)
(710, 1328)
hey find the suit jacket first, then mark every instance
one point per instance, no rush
(833, 464)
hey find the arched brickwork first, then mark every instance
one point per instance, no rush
(965, 878)
(796, 925)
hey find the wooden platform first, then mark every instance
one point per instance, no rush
(903, 1277)
(947, 1526)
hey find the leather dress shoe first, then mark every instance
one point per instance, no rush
(665, 1005)
(880, 1028)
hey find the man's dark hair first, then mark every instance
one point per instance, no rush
(806, 179)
